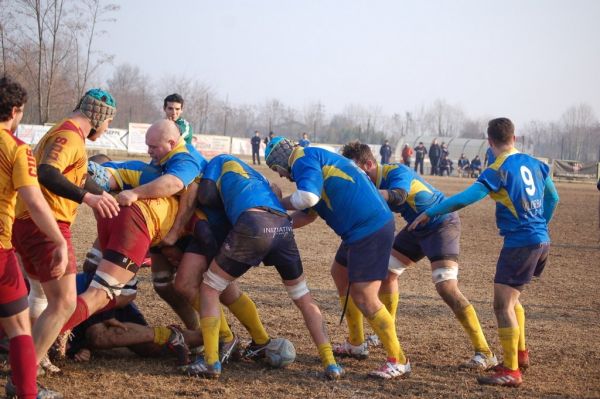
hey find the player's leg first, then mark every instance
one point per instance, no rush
(355, 345)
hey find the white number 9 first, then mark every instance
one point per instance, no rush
(527, 177)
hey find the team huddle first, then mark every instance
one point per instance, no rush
(201, 224)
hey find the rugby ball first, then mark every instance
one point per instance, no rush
(280, 352)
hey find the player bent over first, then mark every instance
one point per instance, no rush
(18, 174)
(332, 187)
(262, 232)
(408, 194)
(525, 201)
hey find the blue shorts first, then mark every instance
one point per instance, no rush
(368, 258)
(516, 266)
(441, 242)
(261, 237)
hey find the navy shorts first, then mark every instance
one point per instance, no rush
(368, 258)
(203, 241)
(261, 237)
(442, 242)
(516, 266)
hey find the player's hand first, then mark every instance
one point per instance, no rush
(421, 219)
(172, 253)
(104, 204)
(127, 197)
(170, 239)
(114, 323)
(84, 355)
(60, 259)
(277, 190)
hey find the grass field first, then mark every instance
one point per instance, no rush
(563, 321)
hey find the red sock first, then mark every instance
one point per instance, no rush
(23, 366)
(80, 314)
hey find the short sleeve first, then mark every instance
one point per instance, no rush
(308, 175)
(184, 167)
(63, 150)
(491, 179)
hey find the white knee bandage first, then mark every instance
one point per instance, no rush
(106, 282)
(215, 281)
(297, 291)
(395, 266)
(130, 288)
(93, 256)
(162, 278)
(37, 299)
(443, 274)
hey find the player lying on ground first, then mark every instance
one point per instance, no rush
(525, 201)
(332, 187)
(439, 240)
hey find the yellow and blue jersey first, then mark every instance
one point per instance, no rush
(516, 182)
(240, 186)
(131, 174)
(420, 194)
(183, 162)
(348, 201)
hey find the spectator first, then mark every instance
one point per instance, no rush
(269, 138)
(304, 141)
(490, 158)
(475, 166)
(463, 166)
(445, 152)
(435, 154)
(255, 141)
(420, 152)
(173, 107)
(407, 153)
(446, 165)
(386, 152)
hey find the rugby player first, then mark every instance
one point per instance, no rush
(333, 187)
(261, 232)
(62, 169)
(408, 194)
(525, 201)
(173, 107)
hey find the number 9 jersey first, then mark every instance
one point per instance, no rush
(516, 182)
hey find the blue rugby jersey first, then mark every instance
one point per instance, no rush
(240, 186)
(130, 174)
(349, 202)
(420, 194)
(183, 162)
(516, 182)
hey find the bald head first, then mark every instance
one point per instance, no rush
(161, 138)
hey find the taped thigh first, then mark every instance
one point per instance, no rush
(442, 274)
(106, 282)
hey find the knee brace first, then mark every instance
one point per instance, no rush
(106, 282)
(395, 266)
(130, 288)
(162, 278)
(215, 281)
(443, 274)
(37, 299)
(298, 290)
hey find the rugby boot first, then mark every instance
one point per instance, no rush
(255, 351)
(46, 367)
(199, 368)
(524, 359)
(43, 392)
(392, 369)
(177, 345)
(58, 350)
(334, 372)
(229, 350)
(502, 377)
(346, 349)
(481, 361)
(373, 341)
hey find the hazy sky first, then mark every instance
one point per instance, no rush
(523, 59)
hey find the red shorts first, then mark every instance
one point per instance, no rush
(13, 291)
(126, 234)
(36, 249)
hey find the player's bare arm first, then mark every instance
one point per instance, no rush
(164, 186)
(187, 204)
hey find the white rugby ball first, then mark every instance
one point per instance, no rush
(280, 352)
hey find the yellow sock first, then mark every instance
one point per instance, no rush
(210, 334)
(161, 335)
(520, 312)
(390, 301)
(225, 333)
(245, 311)
(468, 318)
(383, 325)
(354, 320)
(509, 339)
(326, 354)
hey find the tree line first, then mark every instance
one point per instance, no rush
(49, 46)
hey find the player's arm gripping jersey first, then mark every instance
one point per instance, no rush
(349, 203)
(183, 162)
(17, 169)
(130, 174)
(240, 186)
(63, 148)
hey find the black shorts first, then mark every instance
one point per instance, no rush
(261, 237)
(203, 241)
(442, 242)
(516, 266)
